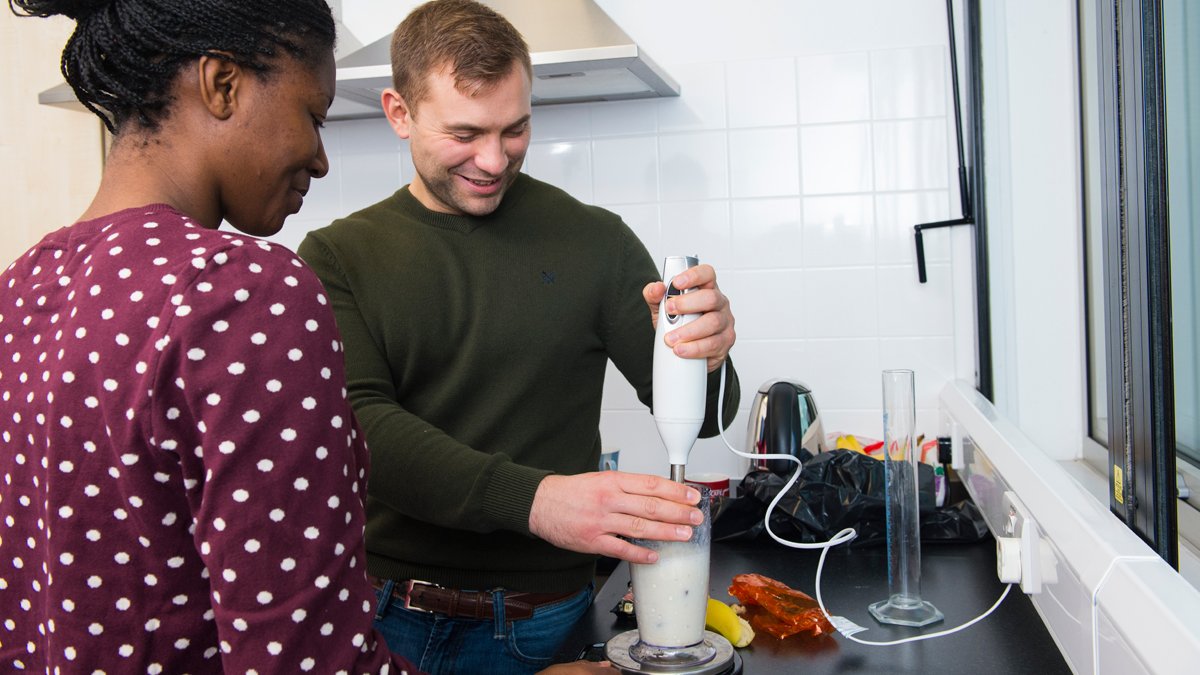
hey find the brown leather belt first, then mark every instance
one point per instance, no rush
(423, 596)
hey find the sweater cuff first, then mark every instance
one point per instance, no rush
(733, 396)
(509, 495)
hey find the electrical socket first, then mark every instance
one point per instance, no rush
(1020, 533)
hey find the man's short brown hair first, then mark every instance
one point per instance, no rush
(478, 45)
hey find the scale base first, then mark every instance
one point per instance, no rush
(725, 662)
(920, 613)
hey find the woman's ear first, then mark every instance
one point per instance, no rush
(220, 80)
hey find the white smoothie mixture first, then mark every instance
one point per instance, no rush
(670, 597)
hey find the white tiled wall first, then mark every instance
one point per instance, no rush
(797, 173)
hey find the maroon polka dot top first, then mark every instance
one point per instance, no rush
(182, 475)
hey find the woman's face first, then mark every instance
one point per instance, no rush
(277, 149)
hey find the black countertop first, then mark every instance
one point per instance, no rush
(959, 579)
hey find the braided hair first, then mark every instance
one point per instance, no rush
(125, 54)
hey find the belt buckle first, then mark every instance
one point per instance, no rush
(408, 587)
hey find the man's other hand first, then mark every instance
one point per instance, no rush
(591, 512)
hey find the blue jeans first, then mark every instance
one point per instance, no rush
(441, 645)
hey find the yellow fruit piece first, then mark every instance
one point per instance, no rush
(849, 442)
(721, 619)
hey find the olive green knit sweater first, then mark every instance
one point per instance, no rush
(476, 349)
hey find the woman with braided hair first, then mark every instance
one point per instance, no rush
(182, 476)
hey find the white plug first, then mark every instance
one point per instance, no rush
(1008, 559)
(1022, 530)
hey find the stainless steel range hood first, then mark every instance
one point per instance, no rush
(578, 53)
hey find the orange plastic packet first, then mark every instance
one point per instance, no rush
(785, 611)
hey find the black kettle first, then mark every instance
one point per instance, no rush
(784, 420)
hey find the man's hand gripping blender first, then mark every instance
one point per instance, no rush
(679, 383)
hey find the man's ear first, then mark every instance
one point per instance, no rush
(220, 81)
(397, 111)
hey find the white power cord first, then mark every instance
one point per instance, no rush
(845, 627)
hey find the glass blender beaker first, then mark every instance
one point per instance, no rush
(670, 598)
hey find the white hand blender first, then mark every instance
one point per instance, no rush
(670, 637)
(679, 383)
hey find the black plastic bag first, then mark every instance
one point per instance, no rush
(836, 490)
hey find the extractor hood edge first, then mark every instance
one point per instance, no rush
(607, 66)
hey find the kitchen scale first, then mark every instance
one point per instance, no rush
(713, 656)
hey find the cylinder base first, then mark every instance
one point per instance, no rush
(919, 613)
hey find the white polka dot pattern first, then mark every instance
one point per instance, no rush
(167, 396)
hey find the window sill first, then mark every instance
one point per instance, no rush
(1110, 602)
(1095, 483)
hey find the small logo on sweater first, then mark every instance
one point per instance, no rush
(547, 278)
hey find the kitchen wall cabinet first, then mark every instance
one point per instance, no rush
(51, 158)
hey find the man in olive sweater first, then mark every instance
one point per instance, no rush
(479, 308)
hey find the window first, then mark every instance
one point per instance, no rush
(1141, 103)
(1181, 58)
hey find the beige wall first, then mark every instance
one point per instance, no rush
(50, 158)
